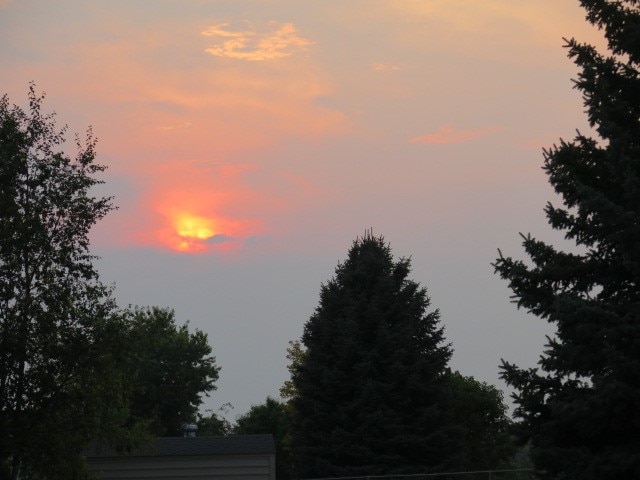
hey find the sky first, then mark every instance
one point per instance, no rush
(250, 142)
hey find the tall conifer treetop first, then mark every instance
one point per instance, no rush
(581, 407)
(370, 392)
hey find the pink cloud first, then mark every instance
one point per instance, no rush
(386, 67)
(182, 135)
(448, 134)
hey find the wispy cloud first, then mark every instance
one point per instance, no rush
(448, 134)
(170, 128)
(247, 43)
(386, 67)
(220, 238)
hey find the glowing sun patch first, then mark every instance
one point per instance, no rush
(190, 233)
(194, 221)
(189, 226)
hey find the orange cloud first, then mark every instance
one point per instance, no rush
(182, 135)
(160, 95)
(197, 228)
(386, 67)
(280, 40)
(447, 134)
(181, 126)
(203, 107)
(194, 207)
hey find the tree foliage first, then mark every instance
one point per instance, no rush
(213, 424)
(581, 407)
(170, 369)
(371, 393)
(271, 417)
(296, 356)
(56, 387)
(480, 411)
(74, 370)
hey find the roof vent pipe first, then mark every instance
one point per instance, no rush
(189, 430)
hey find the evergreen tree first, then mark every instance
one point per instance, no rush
(370, 392)
(581, 407)
(57, 390)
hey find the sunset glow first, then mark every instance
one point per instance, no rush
(198, 221)
(189, 226)
(192, 232)
(249, 143)
(188, 232)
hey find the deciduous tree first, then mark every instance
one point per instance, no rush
(480, 411)
(271, 417)
(213, 424)
(170, 368)
(55, 380)
(581, 407)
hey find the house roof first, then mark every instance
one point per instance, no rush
(177, 446)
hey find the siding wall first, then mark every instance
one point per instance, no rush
(200, 467)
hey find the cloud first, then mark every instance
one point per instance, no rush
(199, 207)
(195, 138)
(170, 128)
(386, 67)
(448, 134)
(279, 41)
(220, 238)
